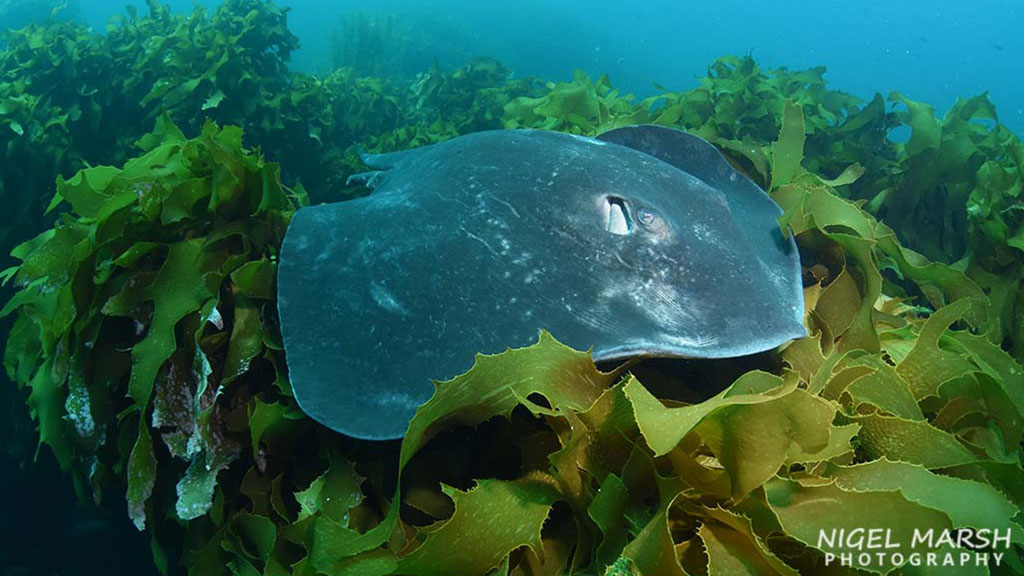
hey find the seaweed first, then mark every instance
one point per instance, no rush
(155, 361)
(394, 46)
(145, 331)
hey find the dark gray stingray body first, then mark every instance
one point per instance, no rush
(642, 243)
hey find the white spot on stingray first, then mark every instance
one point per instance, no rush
(386, 300)
(702, 232)
(588, 140)
(479, 239)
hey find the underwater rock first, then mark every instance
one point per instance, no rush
(644, 242)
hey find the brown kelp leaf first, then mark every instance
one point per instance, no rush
(840, 444)
(912, 441)
(753, 441)
(968, 504)
(732, 547)
(653, 551)
(928, 366)
(815, 514)
(751, 427)
(884, 389)
(788, 150)
(566, 378)
(664, 428)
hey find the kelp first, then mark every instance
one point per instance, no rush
(146, 261)
(155, 365)
(146, 333)
(395, 46)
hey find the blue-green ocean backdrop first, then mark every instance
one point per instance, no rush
(931, 50)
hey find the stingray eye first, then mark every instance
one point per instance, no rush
(646, 217)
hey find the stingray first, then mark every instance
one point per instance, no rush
(643, 242)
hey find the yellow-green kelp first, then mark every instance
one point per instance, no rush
(146, 332)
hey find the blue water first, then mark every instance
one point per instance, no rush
(935, 51)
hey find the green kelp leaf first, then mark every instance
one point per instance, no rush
(916, 442)
(607, 510)
(195, 489)
(47, 402)
(334, 493)
(182, 200)
(927, 366)
(251, 536)
(214, 100)
(267, 421)
(141, 476)
(164, 132)
(178, 290)
(977, 410)
(732, 547)
(490, 521)
(255, 279)
(788, 150)
(994, 361)
(751, 434)
(380, 562)
(884, 389)
(940, 283)
(47, 256)
(246, 339)
(753, 441)
(838, 304)
(1004, 477)
(850, 175)
(653, 551)
(664, 428)
(623, 567)
(815, 515)
(86, 191)
(926, 131)
(567, 378)
(840, 443)
(968, 504)
(596, 444)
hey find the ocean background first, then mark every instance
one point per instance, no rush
(932, 51)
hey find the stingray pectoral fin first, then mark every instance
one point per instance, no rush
(389, 160)
(691, 154)
(368, 179)
(755, 213)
